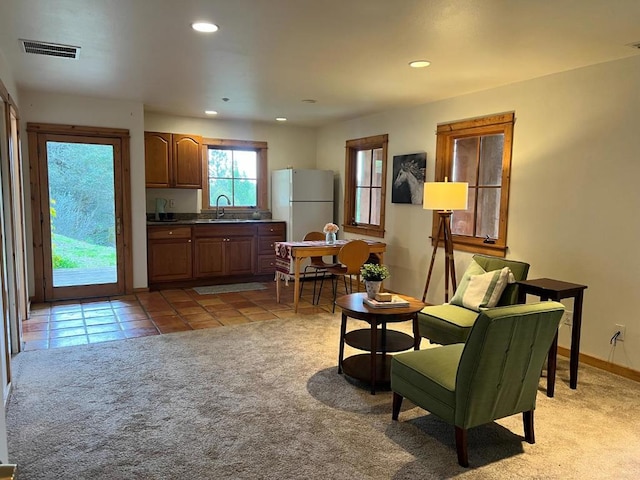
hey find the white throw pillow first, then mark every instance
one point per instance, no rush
(482, 290)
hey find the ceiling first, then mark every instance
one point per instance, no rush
(350, 56)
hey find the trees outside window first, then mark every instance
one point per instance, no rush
(478, 151)
(237, 169)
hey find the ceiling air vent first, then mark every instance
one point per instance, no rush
(50, 49)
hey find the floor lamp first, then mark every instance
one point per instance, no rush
(444, 197)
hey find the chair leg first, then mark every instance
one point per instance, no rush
(529, 434)
(334, 283)
(305, 276)
(397, 403)
(461, 446)
(315, 281)
(321, 284)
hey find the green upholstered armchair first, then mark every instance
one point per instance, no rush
(493, 375)
(446, 324)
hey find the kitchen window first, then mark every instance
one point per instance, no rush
(237, 169)
(365, 185)
(478, 151)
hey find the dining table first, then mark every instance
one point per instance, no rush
(290, 256)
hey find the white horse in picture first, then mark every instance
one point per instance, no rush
(411, 174)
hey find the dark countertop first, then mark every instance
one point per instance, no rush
(207, 221)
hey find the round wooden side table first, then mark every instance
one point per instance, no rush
(374, 367)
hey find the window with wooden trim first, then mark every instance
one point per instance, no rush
(237, 169)
(365, 185)
(478, 151)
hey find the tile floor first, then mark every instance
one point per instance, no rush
(68, 323)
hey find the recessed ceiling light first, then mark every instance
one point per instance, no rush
(210, 112)
(419, 63)
(281, 119)
(204, 27)
(309, 100)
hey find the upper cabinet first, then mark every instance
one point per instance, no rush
(187, 161)
(172, 160)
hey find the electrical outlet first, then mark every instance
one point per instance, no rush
(621, 329)
(567, 318)
(172, 203)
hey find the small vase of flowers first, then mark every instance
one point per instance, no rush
(330, 230)
(373, 275)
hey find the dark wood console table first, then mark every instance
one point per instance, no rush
(549, 289)
(374, 367)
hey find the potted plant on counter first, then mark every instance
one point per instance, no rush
(373, 275)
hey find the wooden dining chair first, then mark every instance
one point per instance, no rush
(317, 265)
(351, 256)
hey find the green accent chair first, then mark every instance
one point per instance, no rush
(446, 324)
(495, 374)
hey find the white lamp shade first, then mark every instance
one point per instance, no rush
(445, 195)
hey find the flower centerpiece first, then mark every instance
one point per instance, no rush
(373, 275)
(330, 230)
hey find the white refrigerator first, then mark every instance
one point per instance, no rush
(302, 198)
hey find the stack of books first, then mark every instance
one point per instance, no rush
(395, 302)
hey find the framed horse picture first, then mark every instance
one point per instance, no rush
(408, 178)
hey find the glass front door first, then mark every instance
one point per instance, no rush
(83, 237)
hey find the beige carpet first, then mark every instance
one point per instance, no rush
(264, 401)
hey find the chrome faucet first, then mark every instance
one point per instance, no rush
(220, 215)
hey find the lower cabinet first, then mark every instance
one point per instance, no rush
(199, 252)
(209, 260)
(239, 256)
(169, 254)
(229, 254)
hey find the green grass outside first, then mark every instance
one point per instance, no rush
(71, 253)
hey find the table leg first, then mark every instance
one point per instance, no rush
(384, 338)
(416, 333)
(552, 358)
(343, 332)
(296, 286)
(278, 287)
(575, 341)
(551, 366)
(374, 347)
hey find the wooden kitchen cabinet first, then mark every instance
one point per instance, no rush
(192, 254)
(169, 254)
(187, 161)
(172, 160)
(268, 235)
(157, 159)
(224, 250)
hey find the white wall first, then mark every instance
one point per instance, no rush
(7, 78)
(74, 110)
(574, 186)
(287, 145)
